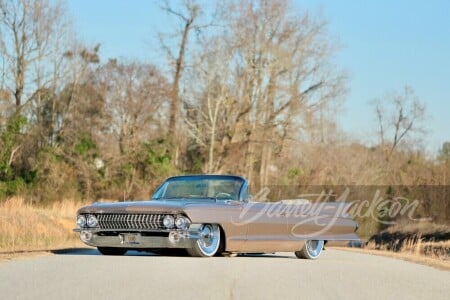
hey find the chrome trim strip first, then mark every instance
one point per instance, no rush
(186, 238)
(96, 229)
(193, 229)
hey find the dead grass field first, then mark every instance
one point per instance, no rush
(424, 243)
(434, 254)
(25, 227)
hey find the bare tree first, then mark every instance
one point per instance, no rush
(206, 113)
(399, 117)
(187, 14)
(135, 96)
(281, 75)
(263, 77)
(28, 30)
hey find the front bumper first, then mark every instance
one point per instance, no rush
(175, 239)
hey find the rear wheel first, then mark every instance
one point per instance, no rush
(112, 250)
(208, 243)
(311, 250)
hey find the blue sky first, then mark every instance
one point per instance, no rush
(385, 46)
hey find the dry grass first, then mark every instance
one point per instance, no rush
(424, 243)
(418, 238)
(416, 246)
(26, 227)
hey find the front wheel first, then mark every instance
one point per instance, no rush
(208, 243)
(112, 250)
(311, 250)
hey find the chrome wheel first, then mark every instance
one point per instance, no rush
(208, 242)
(311, 250)
(314, 248)
(209, 239)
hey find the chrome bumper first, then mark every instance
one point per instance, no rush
(176, 239)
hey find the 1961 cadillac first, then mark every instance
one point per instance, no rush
(211, 215)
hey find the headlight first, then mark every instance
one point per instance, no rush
(81, 221)
(182, 222)
(91, 221)
(168, 221)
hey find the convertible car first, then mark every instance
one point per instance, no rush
(212, 215)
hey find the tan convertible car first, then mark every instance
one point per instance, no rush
(211, 215)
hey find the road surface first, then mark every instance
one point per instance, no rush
(84, 274)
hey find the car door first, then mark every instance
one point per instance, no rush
(267, 227)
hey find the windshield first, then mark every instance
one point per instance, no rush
(200, 188)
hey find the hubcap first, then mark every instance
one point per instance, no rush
(209, 239)
(314, 248)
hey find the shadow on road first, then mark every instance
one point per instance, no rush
(76, 251)
(93, 252)
(87, 251)
(265, 255)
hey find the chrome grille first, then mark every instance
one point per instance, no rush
(130, 221)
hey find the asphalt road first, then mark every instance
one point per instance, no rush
(84, 274)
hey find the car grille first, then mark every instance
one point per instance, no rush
(130, 221)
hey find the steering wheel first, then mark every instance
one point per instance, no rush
(224, 196)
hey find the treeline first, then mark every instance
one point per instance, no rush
(246, 87)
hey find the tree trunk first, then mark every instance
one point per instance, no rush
(175, 104)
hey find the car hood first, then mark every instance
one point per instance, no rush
(152, 206)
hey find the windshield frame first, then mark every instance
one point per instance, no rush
(242, 194)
